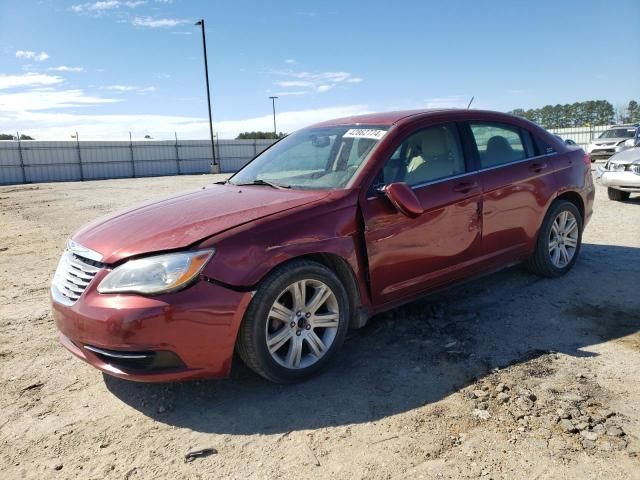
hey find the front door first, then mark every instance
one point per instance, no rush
(410, 255)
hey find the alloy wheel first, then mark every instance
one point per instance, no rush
(563, 239)
(302, 324)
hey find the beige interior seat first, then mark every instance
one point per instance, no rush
(435, 160)
(499, 151)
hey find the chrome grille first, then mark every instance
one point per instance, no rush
(73, 275)
(635, 169)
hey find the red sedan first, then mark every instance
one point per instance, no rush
(332, 224)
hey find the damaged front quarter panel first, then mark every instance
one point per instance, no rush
(329, 227)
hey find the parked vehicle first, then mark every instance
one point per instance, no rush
(568, 141)
(621, 174)
(330, 225)
(614, 140)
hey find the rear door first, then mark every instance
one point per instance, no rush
(409, 255)
(517, 184)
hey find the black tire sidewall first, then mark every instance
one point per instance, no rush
(254, 330)
(543, 240)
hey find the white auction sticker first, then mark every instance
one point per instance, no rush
(372, 133)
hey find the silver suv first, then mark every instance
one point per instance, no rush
(614, 140)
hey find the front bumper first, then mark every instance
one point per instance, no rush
(185, 335)
(626, 181)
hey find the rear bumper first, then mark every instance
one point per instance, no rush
(185, 335)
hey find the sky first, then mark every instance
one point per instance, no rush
(106, 68)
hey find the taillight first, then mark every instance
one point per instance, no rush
(586, 159)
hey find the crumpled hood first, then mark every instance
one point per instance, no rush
(182, 220)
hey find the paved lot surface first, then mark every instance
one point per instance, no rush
(510, 376)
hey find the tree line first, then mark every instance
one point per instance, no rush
(579, 114)
(260, 136)
(8, 136)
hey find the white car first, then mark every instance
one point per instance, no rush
(621, 174)
(612, 141)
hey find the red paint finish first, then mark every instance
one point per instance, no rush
(410, 255)
(457, 227)
(198, 324)
(182, 220)
(402, 197)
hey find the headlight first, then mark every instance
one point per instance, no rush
(617, 167)
(157, 274)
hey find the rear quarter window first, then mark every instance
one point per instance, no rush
(543, 148)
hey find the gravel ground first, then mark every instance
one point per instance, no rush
(511, 376)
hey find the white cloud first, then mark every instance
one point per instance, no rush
(29, 55)
(130, 88)
(150, 22)
(307, 83)
(292, 93)
(294, 84)
(290, 61)
(29, 80)
(105, 5)
(308, 13)
(324, 88)
(48, 99)
(56, 126)
(452, 101)
(65, 68)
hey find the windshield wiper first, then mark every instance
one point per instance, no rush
(259, 181)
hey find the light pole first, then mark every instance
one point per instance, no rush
(275, 131)
(206, 75)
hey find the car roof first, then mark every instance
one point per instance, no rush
(398, 116)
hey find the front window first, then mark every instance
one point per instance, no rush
(618, 133)
(313, 158)
(428, 155)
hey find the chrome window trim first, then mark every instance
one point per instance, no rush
(487, 169)
(517, 162)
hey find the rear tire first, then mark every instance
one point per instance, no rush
(617, 195)
(559, 240)
(295, 323)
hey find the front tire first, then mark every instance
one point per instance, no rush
(559, 240)
(617, 195)
(295, 323)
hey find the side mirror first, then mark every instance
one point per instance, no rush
(403, 198)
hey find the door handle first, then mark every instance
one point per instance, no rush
(465, 187)
(538, 167)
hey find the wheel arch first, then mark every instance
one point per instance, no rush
(341, 267)
(575, 198)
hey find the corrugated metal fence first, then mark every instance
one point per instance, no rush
(581, 135)
(30, 161)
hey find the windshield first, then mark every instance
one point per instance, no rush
(618, 133)
(313, 158)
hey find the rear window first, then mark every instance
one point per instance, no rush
(497, 143)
